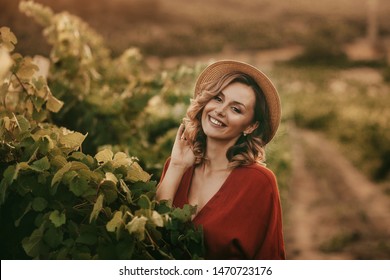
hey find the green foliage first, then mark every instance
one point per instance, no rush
(119, 102)
(57, 202)
(101, 94)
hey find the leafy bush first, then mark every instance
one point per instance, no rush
(101, 94)
(57, 202)
(119, 102)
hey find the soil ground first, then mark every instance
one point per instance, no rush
(333, 211)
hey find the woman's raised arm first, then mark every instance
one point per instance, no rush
(182, 157)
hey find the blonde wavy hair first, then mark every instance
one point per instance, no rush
(248, 149)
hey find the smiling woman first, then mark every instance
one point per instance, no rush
(229, 113)
(217, 163)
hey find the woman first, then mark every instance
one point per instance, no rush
(217, 163)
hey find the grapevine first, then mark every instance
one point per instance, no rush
(58, 200)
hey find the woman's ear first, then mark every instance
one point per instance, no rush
(251, 128)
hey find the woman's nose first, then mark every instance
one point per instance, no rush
(220, 111)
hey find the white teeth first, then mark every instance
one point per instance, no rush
(216, 122)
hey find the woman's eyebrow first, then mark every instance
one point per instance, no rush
(234, 101)
(239, 103)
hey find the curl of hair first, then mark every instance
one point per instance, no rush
(248, 149)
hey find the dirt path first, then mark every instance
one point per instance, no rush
(333, 211)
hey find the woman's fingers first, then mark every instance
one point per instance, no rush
(182, 154)
(180, 132)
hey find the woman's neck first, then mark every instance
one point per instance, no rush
(216, 156)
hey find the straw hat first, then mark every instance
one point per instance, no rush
(217, 69)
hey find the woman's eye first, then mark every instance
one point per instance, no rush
(235, 109)
(217, 98)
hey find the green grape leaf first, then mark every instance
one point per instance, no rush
(40, 165)
(26, 210)
(76, 165)
(22, 123)
(53, 104)
(7, 39)
(184, 214)
(121, 159)
(137, 227)
(59, 161)
(155, 233)
(72, 140)
(136, 173)
(139, 188)
(69, 176)
(38, 103)
(57, 218)
(109, 189)
(10, 174)
(32, 244)
(87, 238)
(89, 175)
(26, 69)
(40, 89)
(39, 116)
(116, 222)
(60, 173)
(53, 237)
(124, 187)
(104, 156)
(126, 190)
(144, 202)
(90, 161)
(112, 178)
(39, 204)
(46, 144)
(97, 207)
(164, 206)
(78, 186)
(78, 156)
(6, 123)
(157, 219)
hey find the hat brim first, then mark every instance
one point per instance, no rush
(218, 69)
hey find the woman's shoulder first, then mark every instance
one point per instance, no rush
(255, 173)
(256, 169)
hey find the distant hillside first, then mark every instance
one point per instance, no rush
(181, 27)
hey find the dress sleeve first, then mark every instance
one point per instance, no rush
(270, 244)
(258, 212)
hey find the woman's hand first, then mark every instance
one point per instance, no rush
(182, 155)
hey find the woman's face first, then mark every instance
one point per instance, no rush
(230, 113)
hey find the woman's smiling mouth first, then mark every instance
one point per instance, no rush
(216, 122)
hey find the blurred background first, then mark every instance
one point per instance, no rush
(328, 59)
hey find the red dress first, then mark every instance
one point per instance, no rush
(243, 220)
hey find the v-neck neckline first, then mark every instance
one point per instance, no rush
(211, 200)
